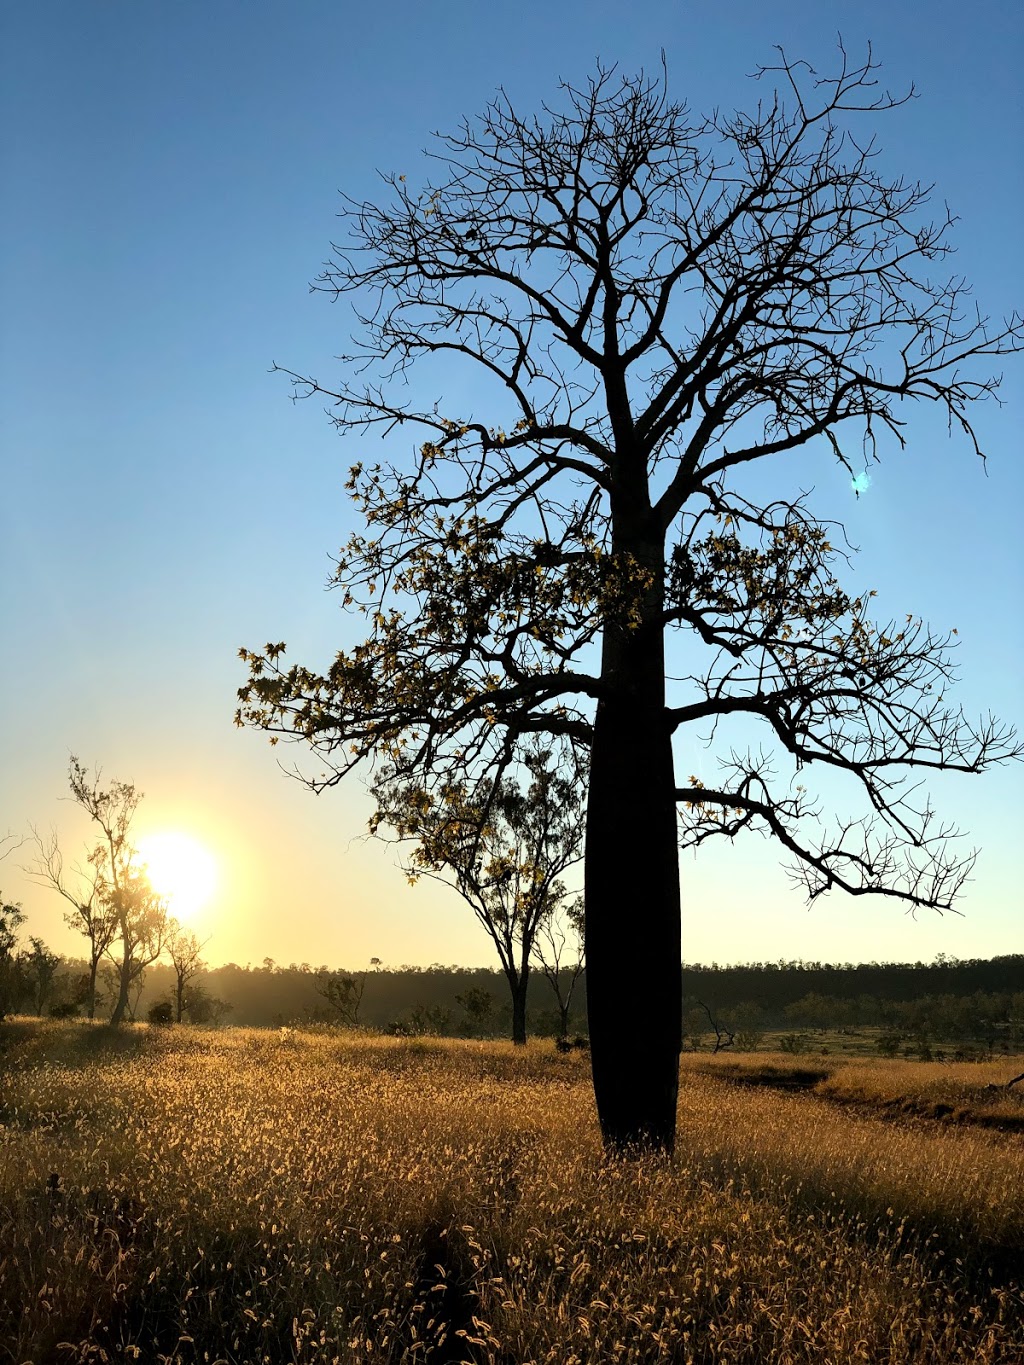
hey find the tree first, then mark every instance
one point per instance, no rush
(142, 923)
(91, 912)
(184, 950)
(653, 303)
(161, 1013)
(11, 919)
(39, 970)
(724, 1035)
(204, 1008)
(478, 1007)
(140, 916)
(561, 970)
(343, 995)
(502, 845)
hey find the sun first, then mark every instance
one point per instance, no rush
(180, 869)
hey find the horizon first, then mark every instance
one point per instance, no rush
(941, 960)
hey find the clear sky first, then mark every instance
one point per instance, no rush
(170, 176)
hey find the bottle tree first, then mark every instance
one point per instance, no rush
(655, 303)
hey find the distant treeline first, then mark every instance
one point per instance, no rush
(462, 1000)
(774, 985)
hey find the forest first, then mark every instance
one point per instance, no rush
(978, 1000)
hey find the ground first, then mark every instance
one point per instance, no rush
(178, 1195)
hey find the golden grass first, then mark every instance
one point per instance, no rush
(968, 1092)
(248, 1196)
(959, 1092)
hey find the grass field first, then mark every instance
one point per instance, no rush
(187, 1196)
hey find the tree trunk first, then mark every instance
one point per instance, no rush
(633, 948)
(563, 1020)
(518, 985)
(179, 997)
(94, 964)
(124, 982)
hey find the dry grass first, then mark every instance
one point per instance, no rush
(962, 1092)
(958, 1092)
(302, 1197)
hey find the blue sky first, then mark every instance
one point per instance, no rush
(171, 178)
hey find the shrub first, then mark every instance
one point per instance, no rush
(792, 1042)
(888, 1044)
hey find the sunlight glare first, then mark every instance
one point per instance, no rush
(180, 869)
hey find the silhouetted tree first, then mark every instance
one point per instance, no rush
(654, 302)
(184, 949)
(343, 995)
(560, 954)
(138, 912)
(11, 919)
(91, 912)
(204, 1008)
(39, 971)
(724, 1035)
(504, 846)
(478, 1007)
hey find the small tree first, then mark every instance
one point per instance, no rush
(142, 924)
(560, 952)
(11, 920)
(91, 911)
(504, 847)
(343, 995)
(204, 1008)
(123, 888)
(184, 949)
(478, 1007)
(39, 970)
(749, 1019)
(724, 1035)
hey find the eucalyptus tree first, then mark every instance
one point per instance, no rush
(89, 911)
(561, 956)
(655, 304)
(185, 950)
(12, 917)
(504, 845)
(138, 914)
(39, 967)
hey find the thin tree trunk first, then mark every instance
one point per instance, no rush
(124, 983)
(633, 941)
(179, 995)
(94, 964)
